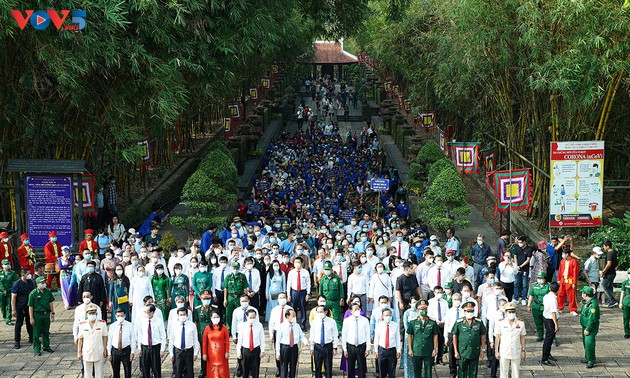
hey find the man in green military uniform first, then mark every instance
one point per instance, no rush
(201, 282)
(422, 335)
(589, 320)
(7, 278)
(624, 304)
(234, 286)
(469, 341)
(42, 312)
(448, 293)
(202, 316)
(331, 287)
(535, 303)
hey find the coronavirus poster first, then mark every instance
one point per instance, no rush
(577, 182)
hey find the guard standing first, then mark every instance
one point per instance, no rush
(422, 341)
(589, 320)
(42, 312)
(234, 285)
(469, 341)
(202, 316)
(19, 303)
(535, 303)
(7, 278)
(509, 344)
(331, 287)
(624, 304)
(5, 248)
(26, 255)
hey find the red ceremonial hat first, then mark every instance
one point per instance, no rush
(466, 259)
(52, 234)
(4, 234)
(89, 231)
(450, 252)
(23, 237)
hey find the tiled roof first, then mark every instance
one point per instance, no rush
(331, 53)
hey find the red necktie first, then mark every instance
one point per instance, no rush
(299, 283)
(340, 270)
(399, 254)
(439, 283)
(149, 335)
(291, 339)
(281, 314)
(387, 337)
(251, 337)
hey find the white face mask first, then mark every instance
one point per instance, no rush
(159, 271)
(203, 269)
(42, 286)
(457, 303)
(480, 242)
(179, 305)
(321, 303)
(119, 272)
(379, 270)
(120, 319)
(244, 305)
(215, 321)
(439, 263)
(322, 315)
(511, 316)
(87, 300)
(91, 317)
(178, 271)
(465, 294)
(282, 301)
(250, 320)
(541, 282)
(469, 315)
(183, 319)
(222, 265)
(357, 313)
(383, 306)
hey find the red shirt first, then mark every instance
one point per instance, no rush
(51, 253)
(572, 271)
(26, 255)
(5, 251)
(286, 268)
(89, 244)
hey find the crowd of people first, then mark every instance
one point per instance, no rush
(383, 287)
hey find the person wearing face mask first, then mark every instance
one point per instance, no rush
(380, 285)
(491, 263)
(121, 342)
(52, 251)
(41, 311)
(479, 252)
(161, 290)
(591, 268)
(494, 316)
(180, 285)
(453, 315)
(535, 303)
(508, 270)
(299, 285)
(183, 344)
(180, 257)
(437, 275)
(352, 228)
(467, 295)
(26, 254)
(7, 278)
(250, 344)
(451, 264)
(401, 246)
(276, 320)
(487, 295)
(235, 286)
(469, 341)
(323, 341)
(358, 284)
(88, 242)
(437, 307)
(20, 291)
(151, 345)
(422, 338)
(289, 335)
(253, 281)
(201, 282)
(522, 253)
(206, 238)
(332, 288)
(79, 313)
(6, 250)
(422, 272)
(387, 345)
(568, 278)
(215, 348)
(94, 283)
(139, 288)
(92, 343)
(509, 345)
(119, 287)
(355, 342)
(219, 274)
(452, 242)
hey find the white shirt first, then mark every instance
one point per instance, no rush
(128, 336)
(349, 332)
(284, 336)
(238, 317)
(331, 335)
(190, 337)
(92, 336)
(432, 277)
(139, 288)
(342, 271)
(432, 310)
(493, 319)
(451, 267)
(404, 248)
(453, 244)
(394, 336)
(488, 300)
(185, 261)
(318, 266)
(380, 284)
(276, 318)
(452, 316)
(244, 336)
(255, 279)
(550, 305)
(172, 319)
(304, 278)
(79, 316)
(158, 333)
(508, 272)
(357, 285)
(510, 332)
(217, 284)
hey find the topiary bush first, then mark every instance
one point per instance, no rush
(417, 172)
(430, 153)
(219, 167)
(445, 201)
(619, 235)
(439, 166)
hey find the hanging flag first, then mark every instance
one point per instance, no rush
(227, 124)
(408, 105)
(388, 86)
(490, 158)
(512, 189)
(253, 93)
(234, 110)
(146, 151)
(396, 89)
(441, 139)
(86, 193)
(465, 156)
(428, 120)
(265, 83)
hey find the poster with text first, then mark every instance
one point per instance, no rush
(577, 182)
(49, 208)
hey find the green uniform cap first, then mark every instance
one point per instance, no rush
(327, 265)
(6, 262)
(588, 290)
(448, 285)
(40, 279)
(541, 275)
(205, 294)
(235, 264)
(422, 303)
(469, 304)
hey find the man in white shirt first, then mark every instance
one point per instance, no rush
(452, 316)
(493, 319)
(387, 345)
(352, 228)
(550, 313)
(180, 257)
(451, 265)
(508, 268)
(340, 266)
(422, 273)
(323, 341)
(250, 347)
(92, 342)
(299, 285)
(318, 266)
(436, 275)
(121, 340)
(239, 317)
(377, 314)
(487, 296)
(510, 342)
(436, 311)
(277, 318)
(151, 344)
(355, 342)
(289, 335)
(358, 284)
(183, 344)
(172, 319)
(253, 281)
(219, 274)
(79, 314)
(401, 246)
(451, 243)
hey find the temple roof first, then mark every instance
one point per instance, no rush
(329, 52)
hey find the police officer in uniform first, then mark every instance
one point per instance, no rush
(589, 320)
(422, 338)
(42, 312)
(234, 285)
(202, 316)
(469, 341)
(330, 286)
(535, 303)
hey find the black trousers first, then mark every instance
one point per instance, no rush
(288, 358)
(150, 361)
(550, 334)
(387, 361)
(121, 356)
(251, 362)
(440, 351)
(219, 296)
(356, 356)
(183, 362)
(322, 354)
(509, 290)
(452, 362)
(278, 363)
(22, 315)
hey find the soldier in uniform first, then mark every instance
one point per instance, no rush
(509, 343)
(624, 304)
(589, 320)
(202, 316)
(7, 278)
(234, 285)
(331, 287)
(535, 303)
(422, 338)
(26, 255)
(469, 341)
(41, 311)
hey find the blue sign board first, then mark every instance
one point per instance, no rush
(49, 207)
(330, 202)
(379, 184)
(263, 185)
(346, 214)
(254, 208)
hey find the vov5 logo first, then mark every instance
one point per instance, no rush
(40, 19)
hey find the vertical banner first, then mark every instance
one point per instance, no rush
(465, 156)
(86, 192)
(227, 124)
(49, 207)
(407, 106)
(512, 189)
(490, 158)
(144, 148)
(253, 93)
(235, 111)
(577, 182)
(441, 139)
(428, 120)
